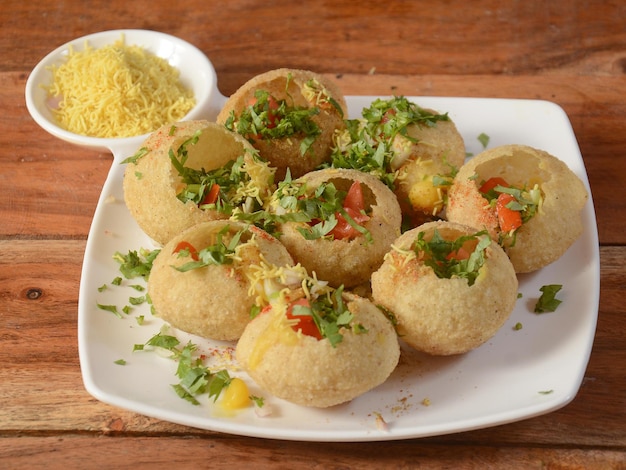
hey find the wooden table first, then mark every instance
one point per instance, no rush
(572, 53)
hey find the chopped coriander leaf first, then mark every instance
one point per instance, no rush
(136, 264)
(160, 340)
(102, 288)
(127, 309)
(548, 302)
(184, 394)
(353, 150)
(331, 315)
(444, 257)
(109, 308)
(367, 144)
(258, 401)
(138, 287)
(140, 319)
(142, 152)
(254, 311)
(322, 210)
(483, 139)
(514, 206)
(195, 378)
(224, 189)
(269, 118)
(546, 392)
(219, 382)
(518, 326)
(217, 254)
(137, 300)
(120, 362)
(393, 116)
(117, 281)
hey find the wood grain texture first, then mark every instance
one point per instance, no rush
(226, 453)
(571, 53)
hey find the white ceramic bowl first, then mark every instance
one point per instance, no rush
(196, 72)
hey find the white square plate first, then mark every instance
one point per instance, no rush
(518, 374)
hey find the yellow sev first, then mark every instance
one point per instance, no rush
(117, 91)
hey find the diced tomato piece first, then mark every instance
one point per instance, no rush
(211, 196)
(272, 106)
(508, 219)
(492, 183)
(306, 323)
(343, 229)
(354, 198)
(189, 247)
(459, 254)
(354, 205)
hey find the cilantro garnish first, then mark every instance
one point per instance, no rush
(195, 378)
(142, 152)
(268, 118)
(230, 183)
(136, 264)
(483, 139)
(217, 254)
(443, 255)
(548, 302)
(366, 144)
(354, 150)
(109, 308)
(258, 401)
(318, 209)
(393, 116)
(526, 201)
(331, 314)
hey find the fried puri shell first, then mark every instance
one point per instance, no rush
(441, 316)
(288, 84)
(311, 372)
(151, 183)
(551, 231)
(214, 301)
(439, 149)
(347, 262)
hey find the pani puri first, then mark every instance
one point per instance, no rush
(338, 257)
(311, 372)
(289, 116)
(153, 185)
(211, 299)
(555, 222)
(450, 288)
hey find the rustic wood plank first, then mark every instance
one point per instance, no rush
(416, 38)
(216, 452)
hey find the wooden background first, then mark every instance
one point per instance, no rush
(572, 53)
